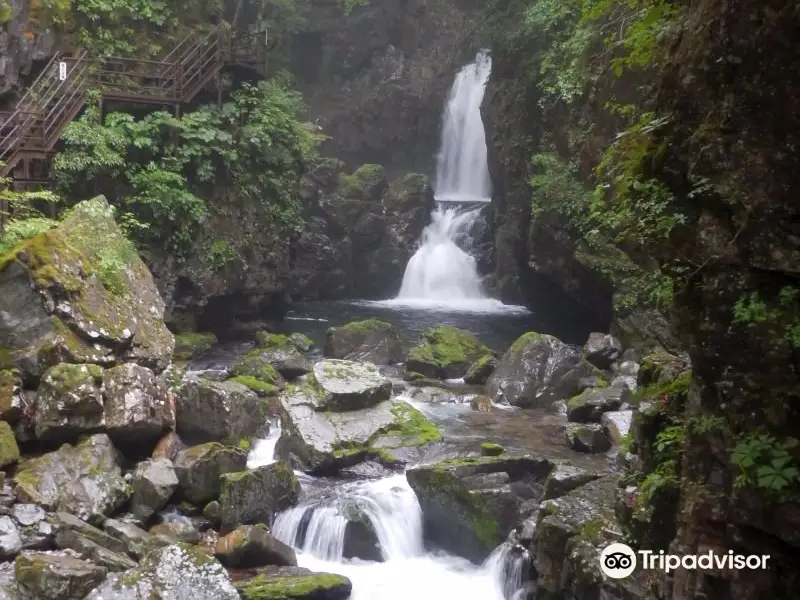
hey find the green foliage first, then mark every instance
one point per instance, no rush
(5, 11)
(24, 218)
(159, 168)
(349, 5)
(17, 231)
(664, 476)
(781, 314)
(705, 424)
(768, 464)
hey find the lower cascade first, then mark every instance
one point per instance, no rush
(405, 569)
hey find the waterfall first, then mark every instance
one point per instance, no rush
(441, 270)
(462, 172)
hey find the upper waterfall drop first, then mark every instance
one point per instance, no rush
(462, 171)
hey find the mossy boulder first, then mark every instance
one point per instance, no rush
(193, 344)
(69, 402)
(258, 495)
(199, 468)
(537, 370)
(480, 371)
(294, 583)
(370, 340)
(587, 437)
(469, 505)
(277, 351)
(56, 576)
(251, 546)
(589, 405)
(491, 449)
(348, 385)
(256, 366)
(298, 341)
(260, 388)
(445, 352)
(10, 396)
(213, 411)
(80, 293)
(138, 406)
(321, 441)
(9, 451)
(84, 480)
(174, 572)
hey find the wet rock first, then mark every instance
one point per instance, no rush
(175, 572)
(176, 529)
(169, 446)
(564, 479)
(432, 394)
(10, 541)
(9, 450)
(89, 323)
(64, 523)
(569, 535)
(92, 551)
(481, 403)
(211, 411)
(445, 353)
(84, 480)
(199, 468)
(69, 402)
(480, 371)
(617, 424)
(136, 540)
(154, 482)
(8, 582)
(193, 344)
(138, 407)
(589, 406)
(360, 538)
(324, 442)
(55, 576)
(469, 505)
(256, 496)
(282, 354)
(536, 370)
(252, 546)
(588, 437)
(369, 341)
(255, 366)
(348, 385)
(295, 583)
(602, 350)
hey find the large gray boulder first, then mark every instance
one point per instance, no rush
(470, 505)
(84, 480)
(319, 441)
(69, 402)
(175, 572)
(349, 385)
(54, 576)
(199, 468)
(370, 340)
(536, 370)
(256, 496)
(213, 411)
(138, 406)
(154, 482)
(58, 306)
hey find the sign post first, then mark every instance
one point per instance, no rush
(62, 70)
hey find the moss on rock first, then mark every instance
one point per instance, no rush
(295, 587)
(9, 451)
(491, 449)
(256, 366)
(193, 344)
(261, 388)
(445, 352)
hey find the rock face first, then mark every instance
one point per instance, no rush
(445, 353)
(296, 584)
(370, 341)
(56, 576)
(84, 480)
(469, 505)
(362, 231)
(69, 402)
(58, 309)
(212, 411)
(253, 546)
(20, 46)
(176, 572)
(536, 370)
(251, 497)
(323, 441)
(348, 385)
(199, 468)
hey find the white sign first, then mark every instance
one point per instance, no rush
(62, 70)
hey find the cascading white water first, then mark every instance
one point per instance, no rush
(462, 171)
(440, 270)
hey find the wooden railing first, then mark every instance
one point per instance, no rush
(59, 93)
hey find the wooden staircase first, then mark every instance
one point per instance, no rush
(30, 132)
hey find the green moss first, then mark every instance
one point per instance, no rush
(412, 427)
(273, 341)
(263, 587)
(580, 400)
(591, 529)
(9, 451)
(8, 382)
(301, 342)
(366, 326)
(261, 388)
(256, 366)
(524, 340)
(244, 444)
(193, 344)
(66, 377)
(444, 346)
(491, 449)
(6, 358)
(667, 395)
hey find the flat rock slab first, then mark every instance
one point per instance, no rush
(294, 583)
(350, 385)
